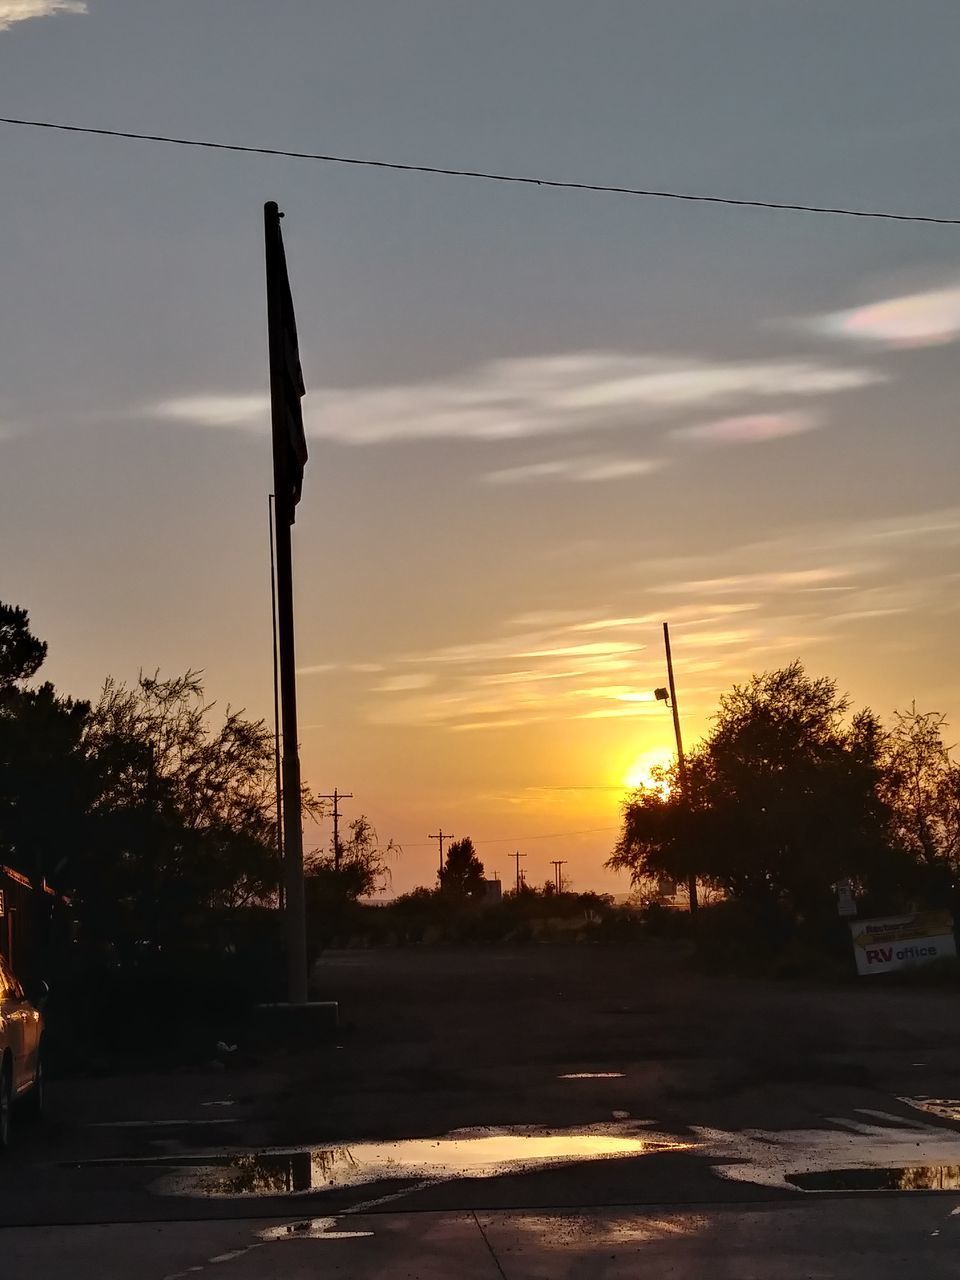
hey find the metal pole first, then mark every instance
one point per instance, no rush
(516, 857)
(681, 760)
(336, 830)
(276, 704)
(295, 907)
(441, 837)
(336, 798)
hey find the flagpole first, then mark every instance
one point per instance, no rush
(278, 785)
(295, 908)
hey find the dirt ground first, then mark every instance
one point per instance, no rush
(441, 1039)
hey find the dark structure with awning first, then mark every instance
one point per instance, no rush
(28, 916)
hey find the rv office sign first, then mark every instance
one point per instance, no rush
(902, 942)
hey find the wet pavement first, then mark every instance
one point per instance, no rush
(484, 1113)
(628, 1161)
(885, 1239)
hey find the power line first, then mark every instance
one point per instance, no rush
(550, 835)
(484, 175)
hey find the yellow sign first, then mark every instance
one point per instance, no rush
(926, 924)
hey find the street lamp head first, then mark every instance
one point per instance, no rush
(662, 695)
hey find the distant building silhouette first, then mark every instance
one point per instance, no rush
(492, 891)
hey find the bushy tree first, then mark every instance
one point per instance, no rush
(21, 653)
(363, 871)
(783, 798)
(46, 785)
(184, 812)
(463, 874)
(923, 789)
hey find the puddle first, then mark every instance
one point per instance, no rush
(476, 1153)
(946, 1108)
(311, 1229)
(868, 1149)
(922, 1177)
(593, 1075)
(870, 1145)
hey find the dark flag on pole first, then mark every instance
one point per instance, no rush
(286, 376)
(289, 457)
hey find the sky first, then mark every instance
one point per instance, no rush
(541, 422)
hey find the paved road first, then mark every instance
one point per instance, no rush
(829, 1240)
(472, 1085)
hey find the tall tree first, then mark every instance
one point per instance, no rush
(363, 872)
(45, 782)
(784, 797)
(21, 653)
(923, 791)
(462, 870)
(184, 815)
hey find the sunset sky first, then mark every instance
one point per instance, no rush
(541, 422)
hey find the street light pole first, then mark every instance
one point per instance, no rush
(681, 759)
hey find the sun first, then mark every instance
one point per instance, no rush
(640, 771)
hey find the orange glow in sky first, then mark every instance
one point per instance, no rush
(540, 422)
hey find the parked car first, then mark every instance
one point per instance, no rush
(21, 1050)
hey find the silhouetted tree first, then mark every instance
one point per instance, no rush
(184, 813)
(46, 785)
(784, 798)
(462, 871)
(923, 788)
(21, 653)
(364, 866)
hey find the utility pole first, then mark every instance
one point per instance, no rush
(336, 798)
(441, 836)
(516, 857)
(557, 863)
(681, 759)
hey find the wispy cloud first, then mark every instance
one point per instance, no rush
(561, 672)
(925, 319)
(600, 648)
(246, 412)
(12, 11)
(734, 610)
(753, 428)
(769, 580)
(405, 683)
(531, 396)
(589, 470)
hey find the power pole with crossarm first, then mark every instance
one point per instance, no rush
(516, 857)
(441, 836)
(336, 798)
